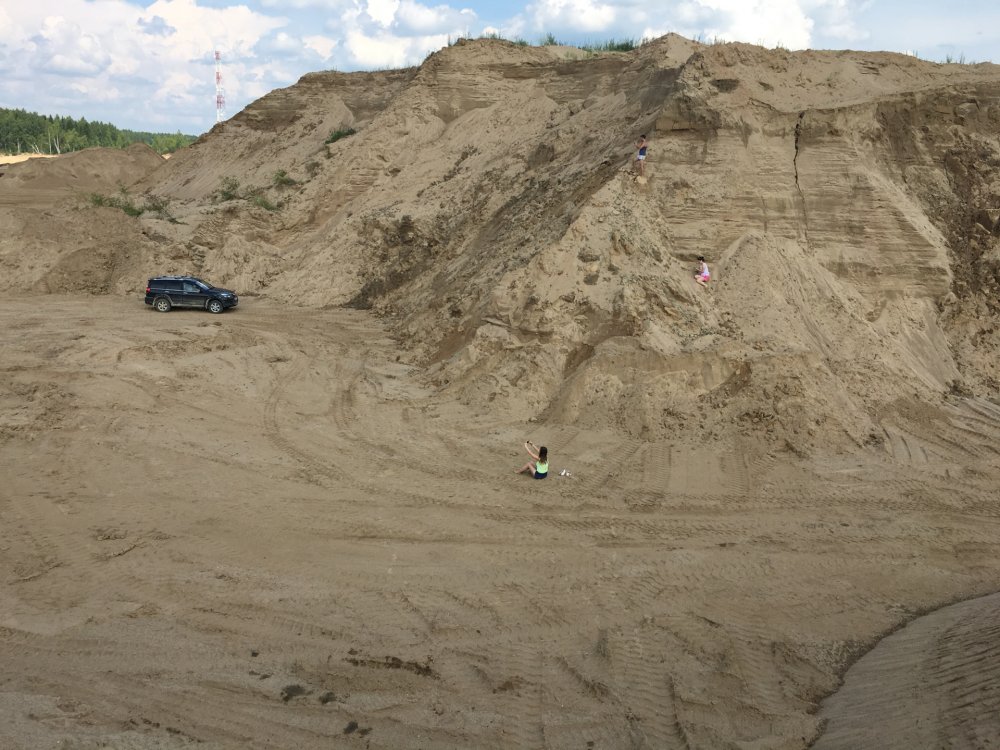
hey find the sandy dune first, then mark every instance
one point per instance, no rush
(297, 524)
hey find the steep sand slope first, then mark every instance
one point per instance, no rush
(838, 195)
(845, 199)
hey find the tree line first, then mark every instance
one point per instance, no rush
(27, 132)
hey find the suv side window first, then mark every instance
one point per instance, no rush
(191, 287)
(170, 286)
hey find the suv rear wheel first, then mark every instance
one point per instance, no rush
(161, 304)
(215, 306)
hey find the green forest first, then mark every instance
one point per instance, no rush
(27, 132)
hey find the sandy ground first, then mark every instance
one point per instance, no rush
(18, 158)
(297, 525)
(260, 530)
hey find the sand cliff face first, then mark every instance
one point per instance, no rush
(846, 202)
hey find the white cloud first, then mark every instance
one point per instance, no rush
(63, 48)
(837, 19)
(102, 94)
(395, 33)
(383, 12)
(178, 89)
(281, 44)
(386, 50)
(767, 22)
(11, 32)
(235, 29)
(577, 15)
(321, 45)
(86, 59)
(375, 51)
(332, 6)
(423, 19)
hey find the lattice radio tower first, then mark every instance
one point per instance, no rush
(220, 92)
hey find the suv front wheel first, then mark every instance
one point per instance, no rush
(215, 306)
(161, 304)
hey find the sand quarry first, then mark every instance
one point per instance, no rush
(296, 525)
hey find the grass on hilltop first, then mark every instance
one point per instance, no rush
(550, 40)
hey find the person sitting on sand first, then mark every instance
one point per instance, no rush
(640, 156)
(539, 468)
(702, 275)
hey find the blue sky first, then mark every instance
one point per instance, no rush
(149, 65)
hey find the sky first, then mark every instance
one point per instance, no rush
(150, 66)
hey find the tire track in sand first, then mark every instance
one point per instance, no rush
(317, 472)
(942, 667)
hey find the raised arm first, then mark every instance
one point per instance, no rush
(528, 446)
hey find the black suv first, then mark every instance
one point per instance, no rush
(165, 292)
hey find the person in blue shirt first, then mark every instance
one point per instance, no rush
(640, 157)
(539, 468)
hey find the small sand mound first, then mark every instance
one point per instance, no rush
(92, 169)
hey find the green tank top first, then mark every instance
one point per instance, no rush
(542, 468)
